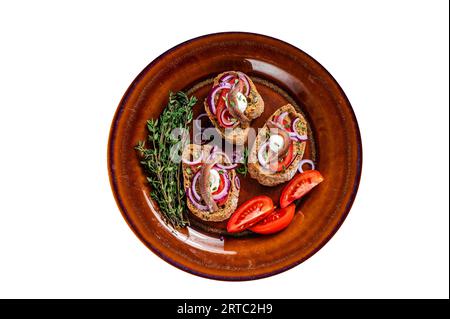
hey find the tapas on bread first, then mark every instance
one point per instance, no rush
(205, 181)
(232, 103)
(211, 183)
(279, 147)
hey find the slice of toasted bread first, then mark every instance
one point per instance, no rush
(229, 206)
(264, 176)
(255, 108)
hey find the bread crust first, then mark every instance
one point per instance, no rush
(238, 135)
(268, 178)
(230, 205)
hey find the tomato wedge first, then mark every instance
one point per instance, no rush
(286, 123)
(227, 115)
(221, 185)
(276, 221)
(222, 201)
(279, 166)
(249, 213)
(299, 186)
(221, 105)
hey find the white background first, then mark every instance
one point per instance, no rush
(64, 68)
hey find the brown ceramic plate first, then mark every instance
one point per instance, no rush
(282, 74)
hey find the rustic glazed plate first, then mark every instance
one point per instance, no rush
(283, 74)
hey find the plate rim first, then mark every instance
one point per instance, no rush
(123, 210)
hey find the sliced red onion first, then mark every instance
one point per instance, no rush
(194, 201)
(212, 95)
(301, 138)
(305, 161)
(295, 132)
(201, 115)
(237, 182)
(225, 190)
(298, 138)
(281, 118)
(226, 77)
(226, 74)
(237, 157)
(226, 167)
(226, 122)
(261, 151)
(213, 149)
(194, 186)
(193, 162)
(244, 79)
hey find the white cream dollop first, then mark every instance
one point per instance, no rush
(276, 142)
(241, 102)
(214, 180)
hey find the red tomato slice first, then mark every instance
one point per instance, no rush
(222, 201)
(279, 166)
(221, 184)
(221, 105)
(286, 123)
(299, 186)
(249, 213)
(276, 221)
(227, 115)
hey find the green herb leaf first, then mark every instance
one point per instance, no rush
(243, 168)
(163, 174)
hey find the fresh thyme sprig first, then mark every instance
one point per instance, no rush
(243, 168)
(163, 173)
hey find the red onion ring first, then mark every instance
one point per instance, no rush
(194, 202)
(261, 159)
(296, 134)
(298, 138)
(226, 167)
(244, 79)
(193, 162)
(305, 161)
(225, 122)
(201, 115)
(226, 77)
(237, 157)
(281, 117)
(212, 95)
(194, 186)
(226, 74)
(237, 182)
